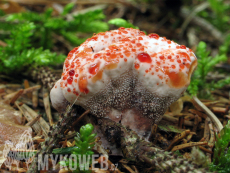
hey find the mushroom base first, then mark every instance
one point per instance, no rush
(127, 101)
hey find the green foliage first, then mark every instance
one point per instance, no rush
(219, 14)
(29, 36)
(206, 64)
(47, 25)
(221, 11)
(18, 55)
(119, 22)
(84, 142)
(221, 156)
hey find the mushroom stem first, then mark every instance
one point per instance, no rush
(211, 115)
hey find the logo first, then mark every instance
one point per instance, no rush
(23, 150)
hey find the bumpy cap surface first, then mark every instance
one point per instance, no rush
(125, 68)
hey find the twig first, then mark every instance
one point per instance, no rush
(128, 168)
(16, 96)
(46, 102)
(203, 24)
(212, 135)
(187, 145)
(205, 150)
(200, 114)
(191, 15)
(25, 91)
(153, 132)
(3, 44)
(34, 120)
(178, 138)
(28, 117)
(214, 119)
(35, 99)
(82, 115)
(206, 129)
(175, 120)
(27, 85)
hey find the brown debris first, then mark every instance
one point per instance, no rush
(46, 101)
(187, 145)
(178, 138)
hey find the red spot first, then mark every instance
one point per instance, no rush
(76, 75)
(113, 47)
(184, 55)
(169, 57)
(182, 46)
(156, 36)
(65, 77)
(93, 69)
(181, 66)
(67, 64)
(178, 47)
(161, 57)
(187, 65)
(158, 63)
(141, 33)
(161, 77)
(83, 85)
(140, 38)
(125, 39)
(76, 93)
(125, 32)
(164, 39)
(93, 38)
(125, 59)
(144, 57)
(96, 56)
(72, 65)
(152, 73)
(73, 51)
(70, 80)
(179, 61)
(121, 28)
(169, 42)
(71, 72)
(137, 66)
(173, 66)
(75, 80)
(139, 44)
(68, 89)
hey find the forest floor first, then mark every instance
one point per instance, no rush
(188, 122)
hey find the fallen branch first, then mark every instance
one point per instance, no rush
(212, 116)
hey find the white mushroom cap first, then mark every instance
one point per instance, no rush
(122, 68)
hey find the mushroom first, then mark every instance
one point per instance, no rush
(125, 75)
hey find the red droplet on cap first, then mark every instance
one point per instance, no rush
(144, 57)
(70, 80)
(156, 36)
(71, 72)
(93, 69)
